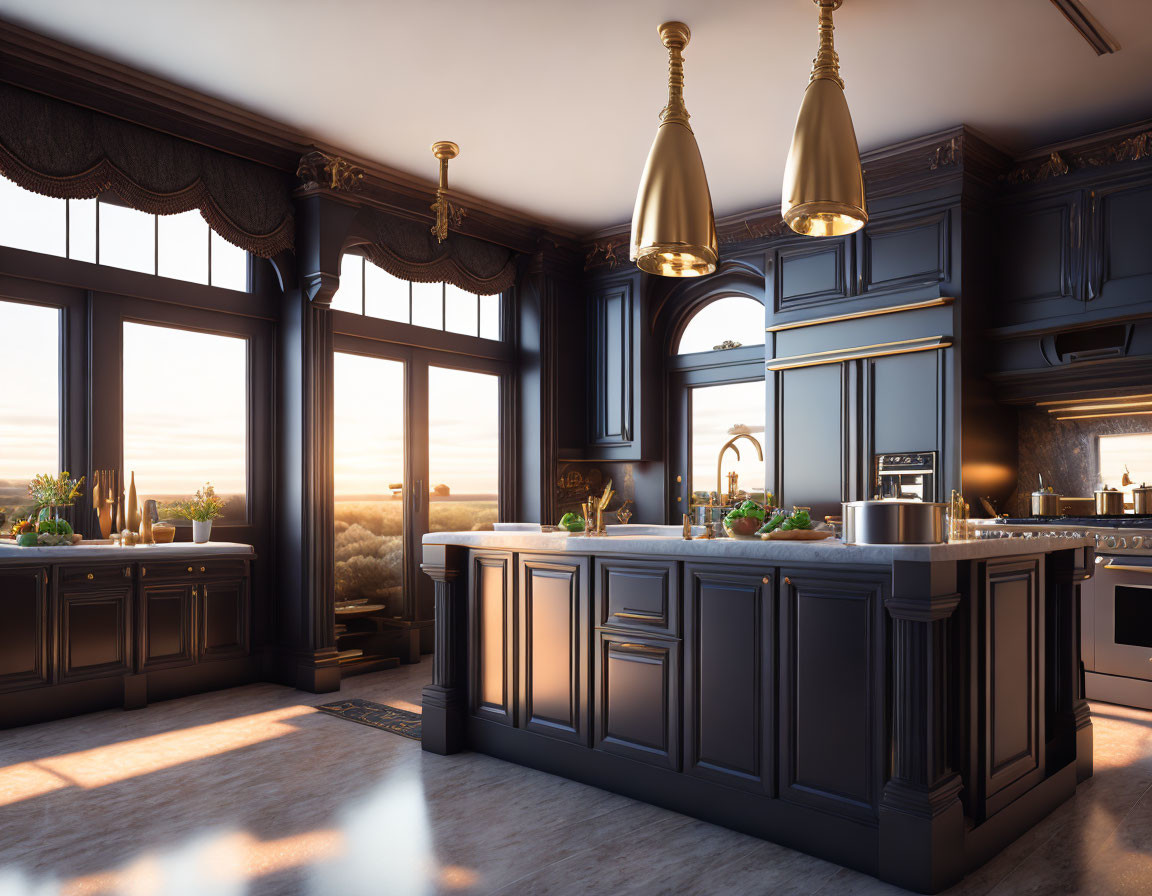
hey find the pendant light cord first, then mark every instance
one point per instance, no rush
(826, 65)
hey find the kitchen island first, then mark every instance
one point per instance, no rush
(904, 710)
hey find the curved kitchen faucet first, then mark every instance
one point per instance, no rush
(731, 443)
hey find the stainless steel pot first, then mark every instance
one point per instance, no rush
(1142, 498)
(1109, 501)
(893, 522)
(1046, 504)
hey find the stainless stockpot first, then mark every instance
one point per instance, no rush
(1142, 498)
(1109, 501)
(894, 522)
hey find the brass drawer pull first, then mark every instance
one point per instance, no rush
(201, 569)
(642, 648)
(787, 581)
(128, 572)
(189, 569)
(90, 577)
(766, 580)
(648, 617)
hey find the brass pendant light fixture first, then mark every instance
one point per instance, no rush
(823, 182)
(673, 228)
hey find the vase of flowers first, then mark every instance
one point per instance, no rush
(201, 510)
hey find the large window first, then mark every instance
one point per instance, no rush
(186, 414)
(1126, 453)
(29, 402)
(180, 246)
(729, 322)
(368, 290)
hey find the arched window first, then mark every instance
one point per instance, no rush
(731, 322)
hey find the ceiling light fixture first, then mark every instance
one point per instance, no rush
(823, 182)
(443, 150)
(673, 227)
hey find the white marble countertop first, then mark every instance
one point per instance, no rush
(96, 552)
(831, 550)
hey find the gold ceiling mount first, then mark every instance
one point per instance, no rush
(823, 191)
(673, 225)
(443, 150)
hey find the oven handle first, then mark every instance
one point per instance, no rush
(1125, 568)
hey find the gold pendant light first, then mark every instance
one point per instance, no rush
(673, 228)
(823, 182)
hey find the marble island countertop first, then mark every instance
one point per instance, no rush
(96, 551)
(667, 541)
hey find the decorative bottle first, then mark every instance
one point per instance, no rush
(133, 506)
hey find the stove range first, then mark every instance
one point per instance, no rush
(1129, 534)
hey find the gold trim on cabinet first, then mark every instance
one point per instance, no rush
(854, 353)
(1116, 405)
(856, 315)
(1099, 416)
(1071, 401)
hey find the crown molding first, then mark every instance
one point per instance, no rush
(45, 65)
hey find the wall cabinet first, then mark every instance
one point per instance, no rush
(729, 676)
(24, 653)
(553, 628)
(1081, 251)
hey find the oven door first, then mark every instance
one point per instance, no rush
(1123, 630)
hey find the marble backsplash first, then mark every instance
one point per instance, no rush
(1065, 452)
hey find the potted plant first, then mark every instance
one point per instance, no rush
(201, 510)
(45, 526)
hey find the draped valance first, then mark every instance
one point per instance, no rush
(409, 250)
(61, 150)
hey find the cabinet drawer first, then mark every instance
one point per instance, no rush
(638, 698)
(638, 595)
(196, 567)
(95, 575)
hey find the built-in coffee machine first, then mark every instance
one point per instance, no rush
(910, 476)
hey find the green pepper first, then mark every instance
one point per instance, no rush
(801, 520)
(774, 523)
(787, 526)
(572, 522)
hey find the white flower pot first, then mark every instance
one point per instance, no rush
(201, 531)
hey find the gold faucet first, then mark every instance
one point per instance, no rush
(731, 443)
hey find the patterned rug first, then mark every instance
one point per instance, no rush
(377, 715)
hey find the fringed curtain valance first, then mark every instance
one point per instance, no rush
(61, 150)
(409, 250)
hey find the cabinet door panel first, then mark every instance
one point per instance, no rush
(223, 619)
(904, 407)
(638, 698)
(638, 594)
(1013, 680)
(554, 623)
(613, 360)
(811, 435)
(832, 741)
(490, 636)
(729, 680)
(813, 274)
(24, 630)
(906, 253)
(94, 628)
(166, 628)
(1040, 269)
(1120, 263)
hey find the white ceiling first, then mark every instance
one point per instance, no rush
(554, 104)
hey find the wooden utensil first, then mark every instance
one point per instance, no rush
(797, 535)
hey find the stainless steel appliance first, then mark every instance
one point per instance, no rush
(893, 522)
(1115, 604)
(1142, 498)
(1109, 501)
(908, 475)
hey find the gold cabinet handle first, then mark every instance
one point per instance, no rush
(189, 569)
(143, 571)
(649, 617)
(90, 577)
(766, 580)
(201, 569)
(128, 572)
(787, 581)
(641, 648)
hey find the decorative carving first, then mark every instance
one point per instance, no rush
(946, 155)
(727, 344)
(1129, 149)
(608, 247)
(320, 170)
(752, 229)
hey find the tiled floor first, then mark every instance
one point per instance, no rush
(252, 791)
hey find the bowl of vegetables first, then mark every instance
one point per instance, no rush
(794, 526)
(744, 520)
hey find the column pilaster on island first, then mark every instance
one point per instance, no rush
(921, 815)
(445, 700)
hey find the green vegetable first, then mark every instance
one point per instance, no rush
(801, 519)
(572, 522)
(787, 525)
(26, 539)
(751, 508)
(773, 523)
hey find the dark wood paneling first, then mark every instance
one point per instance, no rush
(223, 611)
(637, 702)
(641, 595)
(906, 252)
(1012, 681)
(94, 633)
(832, 753)
(165, 631)
(811, 430)
(491, 636)
(553, 628)
(24, 630)
(729, 677)
(613, 359)
(813, 273)
(1040, 251)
